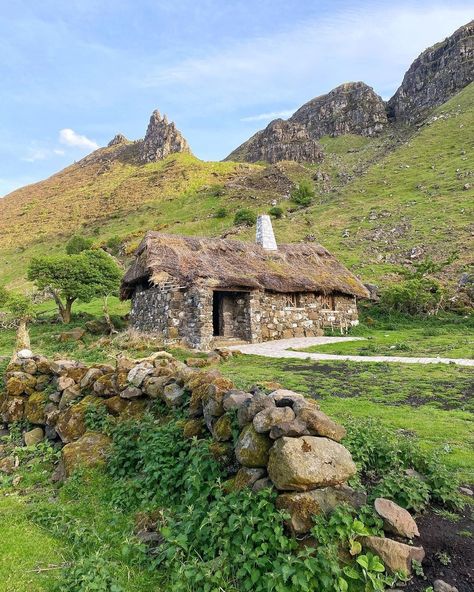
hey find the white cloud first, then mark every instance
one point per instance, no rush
(269, 116)
(69, 137)
(35, 154)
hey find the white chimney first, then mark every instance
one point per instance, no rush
(265, 236)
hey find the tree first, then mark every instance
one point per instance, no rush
(21, 309)
(90, 274)
(77, 244)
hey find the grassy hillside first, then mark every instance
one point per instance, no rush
(377, 199)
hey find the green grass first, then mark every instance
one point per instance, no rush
(448, 335)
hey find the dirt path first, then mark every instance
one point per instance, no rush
(281, 349)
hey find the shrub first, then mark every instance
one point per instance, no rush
(77, 244)
(416, 296)
(114, 244)
(276, 212)
(304, 193)
(245, 217)
(220, 213)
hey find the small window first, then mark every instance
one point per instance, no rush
(293, 301)
(328, 302)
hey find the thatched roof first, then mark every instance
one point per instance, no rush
(222, 263)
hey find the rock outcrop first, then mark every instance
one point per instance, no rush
(162, 138)
(280, 140)
(435, 76)
(351, 108)
(117, 140)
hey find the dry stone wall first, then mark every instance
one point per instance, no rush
(284, 440)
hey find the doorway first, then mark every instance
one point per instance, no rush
(230, 314)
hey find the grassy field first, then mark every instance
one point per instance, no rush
(448, 336)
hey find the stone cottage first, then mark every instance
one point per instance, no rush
(202, 291)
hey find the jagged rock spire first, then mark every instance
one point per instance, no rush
(162, 138)
(116, 140)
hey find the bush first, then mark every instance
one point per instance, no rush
(245, 217)
(220, 213)
(417, 296)
(304, 193)
(114, 244)
(77, 244)
(276, 212)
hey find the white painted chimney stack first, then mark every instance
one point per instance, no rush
(265, 236)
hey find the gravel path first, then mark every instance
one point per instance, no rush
(281, 349)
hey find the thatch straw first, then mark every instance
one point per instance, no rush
(222, 263)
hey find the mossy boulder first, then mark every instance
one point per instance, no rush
(20, 383)
(194, 428)
(106, 385)
(247, 477)
(252, 448)
(12, 409)
(222, 430)
(71, 422)
(35, 408)
(89, 450)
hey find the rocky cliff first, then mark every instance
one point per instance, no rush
(280, 140)
(161, 139)
(351, 108)
(435, 76)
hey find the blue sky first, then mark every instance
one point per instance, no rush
(75, 72)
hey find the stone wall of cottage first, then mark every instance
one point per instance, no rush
(283, 316)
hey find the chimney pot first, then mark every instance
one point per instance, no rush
(265, 236)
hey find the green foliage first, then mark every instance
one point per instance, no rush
(221, 212)
(113, 244)
(245, 217)
(304, 193)
(89, 574)
(97, 418)
(417, 296)
(383, 456)
(276, 211)
(17, 305)
(77, 244)
(85, 276)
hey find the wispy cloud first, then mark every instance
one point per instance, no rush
(69, 137)
(269, 116)
(35, 154)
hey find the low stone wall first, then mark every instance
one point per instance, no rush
(285, 441)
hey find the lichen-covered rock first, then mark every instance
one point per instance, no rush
(286, 398)
(7, 465)
(61, 366)
(12, 409)
(33, 437)
(234, 399)
(138, 373)
(73, 335)
(88, 451)
(396, 519)
(396, 556)
(263, 483)
(249, 410)
(71, 425)
(194, 428)
(35, 408)
(319, 424)
(20, 383)
(173, 395)
(153, 386)
(246, 477)
(64, 382)
(222, 429)
(293, 429)
(42, 382)
(71, 394)
(131, 392)
(252, 448)
(302, 506)
(115, 405)
(309, 462)
(90, 377)
(105, 385)
(266, 419)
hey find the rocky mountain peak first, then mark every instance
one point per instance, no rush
(435, 76)
(351, 108)
(117, 140)
(280, 140)
(161, 139)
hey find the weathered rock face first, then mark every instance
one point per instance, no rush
(161, 139)
(117, 140)
(280, 140)
(90, 450)
(396, 519)
(396, 556)
(351, 108)
(436, 75)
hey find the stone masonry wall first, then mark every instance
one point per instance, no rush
(285, 442)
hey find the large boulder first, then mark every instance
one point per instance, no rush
(71, 422)
(266, 419)
(35, 408)
(309, 462)
(396, 519)
(20, 383)
(34, 436)
(173, 395)
(302, 506)
(396, 556)
(252, 448)
(90, 450)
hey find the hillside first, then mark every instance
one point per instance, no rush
(375, 203)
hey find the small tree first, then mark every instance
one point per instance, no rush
(90, 274)
(77, 244)
(20, 308)
(304, 193)
(276, 212)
